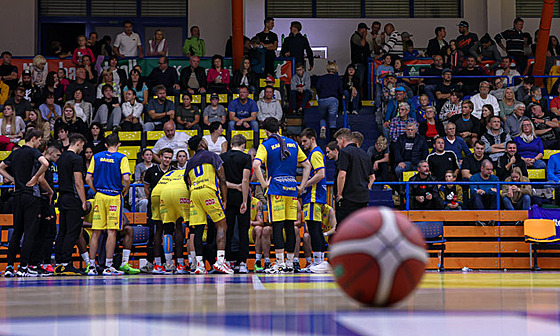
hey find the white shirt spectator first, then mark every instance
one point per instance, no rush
(270, 109)
(512, 73)
(479, 102)
(276, 95)
(215, 147)
(128, 45)
(136, 110)
(179, 141)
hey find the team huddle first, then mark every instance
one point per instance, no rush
(211, 196)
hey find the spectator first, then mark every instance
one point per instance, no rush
(107, 47)
(431, 127)
(436, 45)
(271, 81)
(536, 98)
(32, 93)
(434, 70)
(466, 40)
(135, 83)
(516, 197)
(119, 75)
(132, 112)
(81, 51)
(507, 104)
(193, 77)
(546, 124)
(218, 77)
(445, 88)
(21, 105)
(127, 43)
(483, 196)
(187, 116)
(94, 43)
(62, 79)
(451, 107)
(175, 140)
(393, 41)
(268, 106)
(384, 69)
(483, 98)
(11, 128)
(506, 70)
(402, 70)
(108, 110)
(406, 38)
(8, 72)
(244, 76)
(394, 99)
(160, 110)
(374, 39)
(514, 43)
(379, 154)
(398, 124)
(441, 160)
(166, 76)
(471, 164)
(213, 112)
(157, 46)
(495, 139)
(467, 126)
(217, 143)
(419, 107)
(530, 146)
(38, 71)
(300, 85)
(513, 121)
(139, 171)
(194, 45)
(451, 194)
(229, 46)
(243, 113)
(351, 89)
(257, 55)
(81, 82)
(269, 41)
(472, 70)
(52, 87)
(50, 111)
(97, 141)
(410, 149)
(456, 144)
(181, 160)
(107, 79)
(409, 51)
(73, 124)
(84, 110)
(424, 196)
(485, 48)
(524, 91)
(510, 160)
(553, 170)
(452, 56)
(498, 89)
(296, 44)
(329, 91)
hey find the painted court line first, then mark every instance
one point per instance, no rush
(257, 284)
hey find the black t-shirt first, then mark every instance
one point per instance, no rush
(49, 177)
(357, 165)
(235, 162)
(472, 125)
(441, 163)
(444, 89)
(473, 165)
(270, 55)
(68, 164)
(6, 70)
(408, 147)
(24, 164)
(548, 116)
(23, 106)
(153, 175)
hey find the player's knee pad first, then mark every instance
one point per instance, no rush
(168, 228)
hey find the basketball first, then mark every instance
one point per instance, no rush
(378, 256)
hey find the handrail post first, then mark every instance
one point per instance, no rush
(407, 196)
(133, 199)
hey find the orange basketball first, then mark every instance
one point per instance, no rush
(378, 256)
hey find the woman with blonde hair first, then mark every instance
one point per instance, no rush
(73, 123)
(530, 146)
(38, 71)
(11, 128)
(329, 90)
(379, 154)
(157, 46)
(507, 103)
(36, 121)
(516, 197)
(107, 78)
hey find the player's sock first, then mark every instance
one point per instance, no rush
(168, 248)
(266, 260)
(322, 256)
(168, 258)
(289, 258)
(85, 257)
(280, 258)
(157, 261)
(125, 256)
(258, 256)
(108, 262)
(181, 261)
(192, 257)
(316, 258)
(308, 260)
(198, 259)
(221, 256)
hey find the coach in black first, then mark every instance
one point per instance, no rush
(71, 203)
(355, 176)
(28, 166)
(237, 166)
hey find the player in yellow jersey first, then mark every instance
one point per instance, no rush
(206, 180)
(260, 234)
(328, 228)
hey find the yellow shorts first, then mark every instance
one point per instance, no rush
(312, 211)
(281, 208)
(205, 202)
(156, 203)
(174, 204)
(107, 212)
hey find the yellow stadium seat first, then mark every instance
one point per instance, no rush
(207, 132)
(262, 133)
(130, 136)
(539, 230)
(549, 152)
(131, 152)
(172, 98)
(368, 102)
(4, 154)
(262, 83)
(313, 103)
(407, 175)
(247, 134)
(536, 174)
(188, 132)
(154, 135)
(107, 133)
(222, 98)
(132, 164)
(236, 95)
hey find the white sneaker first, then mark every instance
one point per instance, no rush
(200, 268)
(112, 271)
(148, 268)
(243, 268)
(275, 269)
(222, 267)
(322, 268)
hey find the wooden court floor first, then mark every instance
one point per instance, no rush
(450, 303)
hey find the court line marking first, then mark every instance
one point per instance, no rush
(257, 284)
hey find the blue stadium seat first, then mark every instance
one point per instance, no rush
(433, 235)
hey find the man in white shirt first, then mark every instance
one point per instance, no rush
(175, 140)
(127, 43)
(482, 98)
(506, 70)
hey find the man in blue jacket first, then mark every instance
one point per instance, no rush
(409, 149)
(483, 196)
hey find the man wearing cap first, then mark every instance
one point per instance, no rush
(466, 39)
(445, 88)
(436, 45)
(270, 81)
(359, 50)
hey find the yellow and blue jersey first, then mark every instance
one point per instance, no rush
(202, 170)
(174, 177)
(107, 169)
(316, 193)
(254, 208)
(282, 172)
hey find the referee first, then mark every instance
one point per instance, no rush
(71, 203)
(28, 166)
(355, 176)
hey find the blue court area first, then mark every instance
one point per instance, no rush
(451, 303)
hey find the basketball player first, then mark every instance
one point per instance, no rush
(71, 203)
(281, 155)
(328, 228)
(28, 166)
(315, 195)
(260, 233)
(109, 177)
(206, 180)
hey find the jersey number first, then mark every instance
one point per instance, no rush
(198, 171)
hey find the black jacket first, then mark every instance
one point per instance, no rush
(419, 151)
(433, 47)
(423, 128)
(297, 45)
(200, 74)
(359, 54)
(238, 76)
